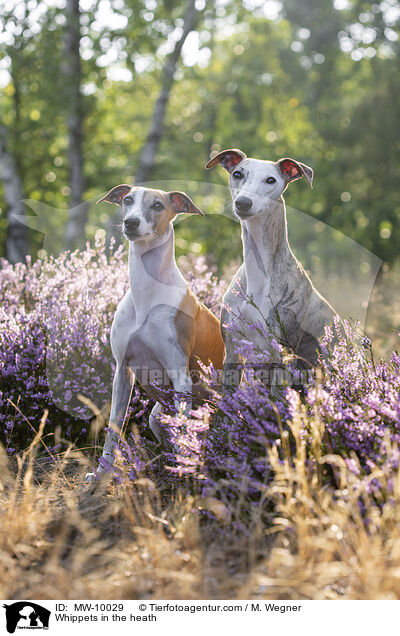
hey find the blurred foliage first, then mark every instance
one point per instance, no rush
(315, 80)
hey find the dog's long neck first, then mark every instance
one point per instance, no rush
(266, 249)
(152, 267)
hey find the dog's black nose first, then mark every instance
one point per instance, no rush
(243, 204)
(132, 224)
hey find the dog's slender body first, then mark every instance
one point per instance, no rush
(160, 330)
(281, 291)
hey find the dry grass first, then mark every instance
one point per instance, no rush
(325, 547)
(59, 540)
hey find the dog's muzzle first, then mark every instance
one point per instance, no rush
(130, 227)
(243, 206)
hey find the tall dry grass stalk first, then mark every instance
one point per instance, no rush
(60, 540)
(331, 543)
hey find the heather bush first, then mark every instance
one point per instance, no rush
(354, 399)
(54, 341)
(55, 321)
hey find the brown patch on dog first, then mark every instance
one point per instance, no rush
(198, 333)
(159, 219)
(174, 203)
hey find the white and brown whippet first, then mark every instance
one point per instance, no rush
(160, 330)
(294, 312)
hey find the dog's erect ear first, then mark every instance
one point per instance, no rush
(293, 170)
(227, 158)
(183, 204)
(116, 194)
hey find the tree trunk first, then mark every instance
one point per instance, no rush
(148, 153)
(78, 210)
(17, 234)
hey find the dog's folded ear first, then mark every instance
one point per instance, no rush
(292, 170)
(182, 204)
(116, 194)
(227, 158)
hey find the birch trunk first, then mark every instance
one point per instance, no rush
(149, 151)
(78, 210)
(17, 244)
(148, 154)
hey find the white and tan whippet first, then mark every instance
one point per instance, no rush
(160, 330)
(295, 313)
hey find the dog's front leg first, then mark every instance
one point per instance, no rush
(154, 422)
(183, 386)
(231, 372)
(122, 390)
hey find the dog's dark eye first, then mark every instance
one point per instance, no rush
(237, 174)
(158, 205)
(270, 180)
(128, 199)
